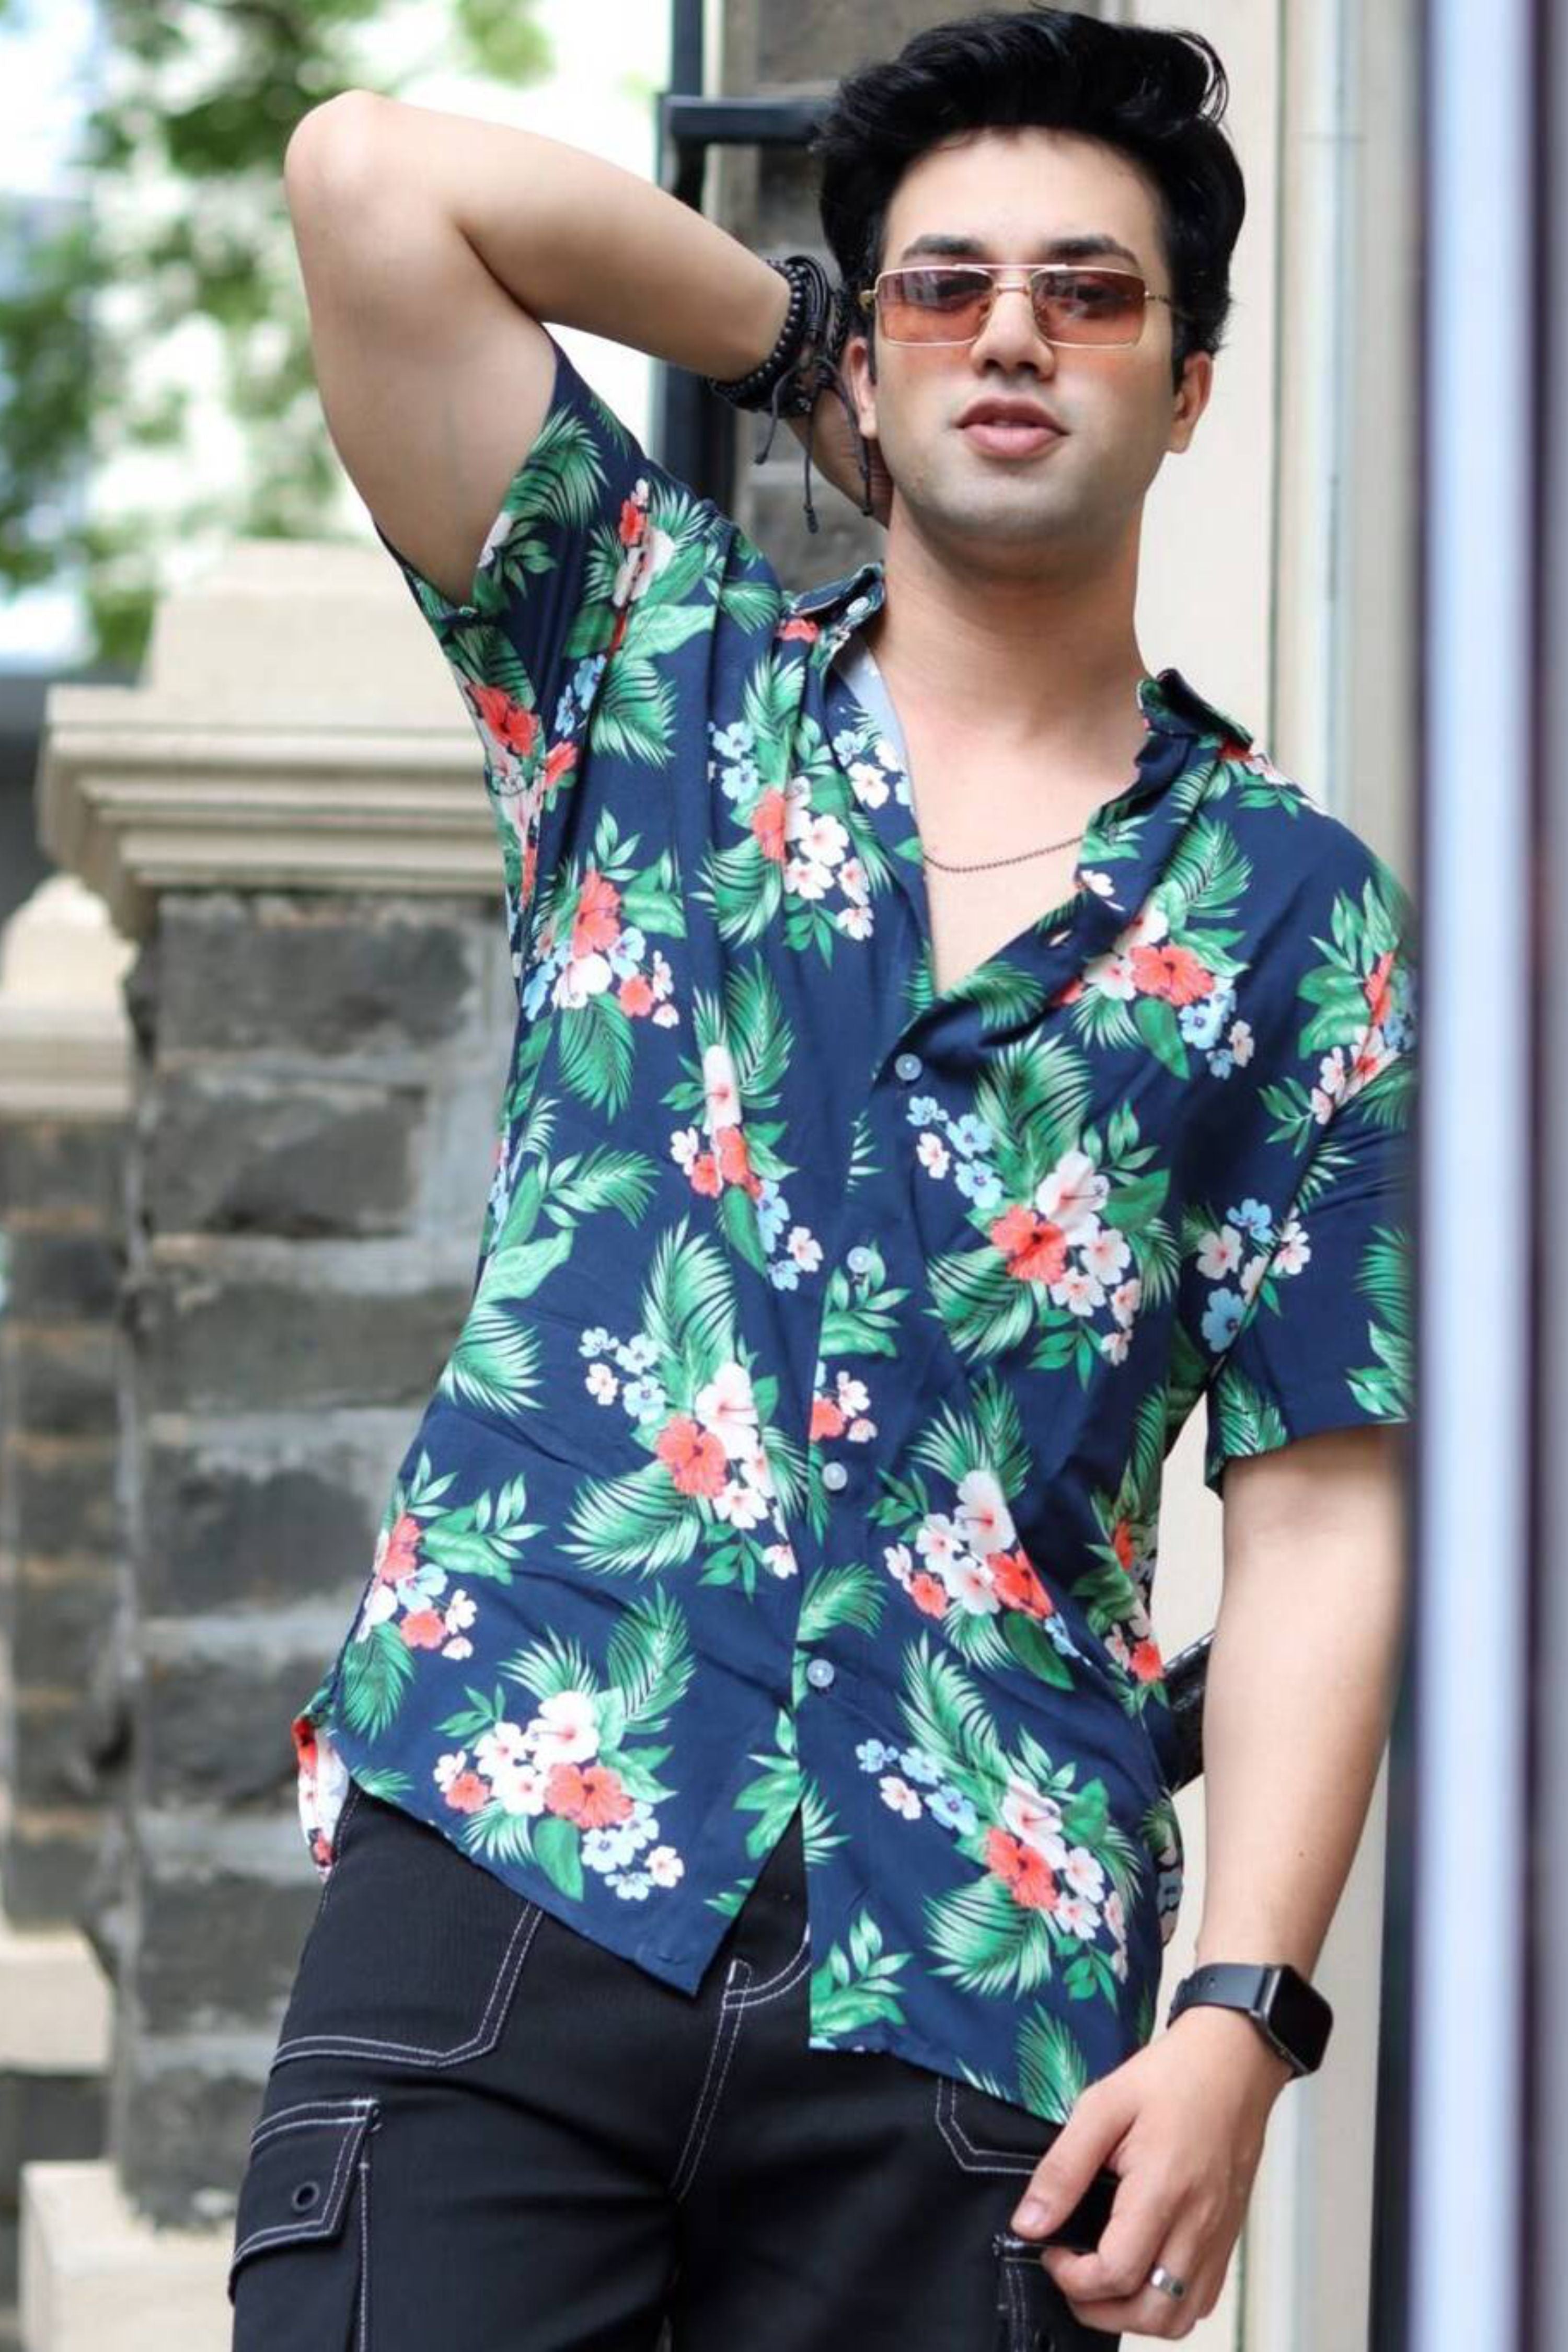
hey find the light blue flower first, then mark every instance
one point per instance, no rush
(640, 1352)
(970, 1134)
(874, 1755)
(536, 989)
(565, 712)
(595, 1341)
(919, 1764)
(735, 741)
(784, 1274)
(634, 1886)
(644, 1399)
(924, 1110)
(626, 955)
(586, 676)
(953, 1811)
(1222, 1318)
(1223, 1063)
(1254, 1217)
(978, 1182)
(1201, 1023)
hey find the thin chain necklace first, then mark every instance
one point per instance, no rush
(981, 864)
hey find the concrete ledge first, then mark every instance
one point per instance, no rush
(55, 2006)
(96, 2277)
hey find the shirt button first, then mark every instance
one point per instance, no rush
(820, 1673)
(835, 1475)
(906, 1065)
(860, 1259)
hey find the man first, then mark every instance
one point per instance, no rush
(744, 1792)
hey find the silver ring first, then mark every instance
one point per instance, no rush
(1167, 2282)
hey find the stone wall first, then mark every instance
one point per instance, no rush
(316, 1082)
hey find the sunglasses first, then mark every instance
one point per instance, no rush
(951, 302)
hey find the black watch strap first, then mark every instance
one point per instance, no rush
(1291, 2014)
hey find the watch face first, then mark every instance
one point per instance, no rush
(1299, 2016)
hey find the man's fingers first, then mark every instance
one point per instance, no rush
(1065, 2171)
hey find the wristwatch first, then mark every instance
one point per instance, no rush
(1291, 2014)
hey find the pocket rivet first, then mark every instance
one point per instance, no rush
(305, 2196)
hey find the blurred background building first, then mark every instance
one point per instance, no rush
(266, 959)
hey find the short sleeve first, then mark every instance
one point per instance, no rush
(595, 546)
(1320, 1310)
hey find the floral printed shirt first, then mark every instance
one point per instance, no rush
(801, 1445)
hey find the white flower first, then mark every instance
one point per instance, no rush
(1072, 1195)
(1112, 975)
(971, 1582)
(1079, 1916)
(933, 1154)
(601, 1384)
(726, 1406)
(897, 1793)
(1294, 1249)
(665, 1867)
(1077, 1291)
(1220, 1254)
(448, 1767)
(581, 978)
(460, 1613)
(983, 1516)
(566, 1728)
(720, 1088)
(1035, 1820)
(1083, 1873)
(1106, 1253)
(804, 1248)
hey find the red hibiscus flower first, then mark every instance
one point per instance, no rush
(633, 522)
(1121, 1541)
(1020, 1588)
(1378, 987)
(826, 1418)
(1029, 1878)
(704, 1175)
(734, 1161)
(423, 1629)
(800, 627)
(1070, 994)
(768, 824)
(504, 719)
(635, 995)
(597, 922)
(693, 1457)
(929, 1592)
(1172, 973)
(1035, 1249)
(559, 761)
(467, 1793)
(1148, 1665)
(591, 1796)
(401, 1557)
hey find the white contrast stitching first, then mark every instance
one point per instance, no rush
(725, 2035)
(363, 2253)
(410, 2053)
(783, 1981)
(322, 2227)
(311, 2112)
(959, 2141)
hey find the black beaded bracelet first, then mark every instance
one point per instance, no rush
(818, 315)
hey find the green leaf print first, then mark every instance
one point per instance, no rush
(633, 714)
(1035, 1650)
(377, 1672)
(1387, 1389)
(1156, 1023)
(856, 1988)
(1053, 2073)
(1242, 1420)
(840, 1596)
(558, 1850)
(494, 1363)
(650, 1658)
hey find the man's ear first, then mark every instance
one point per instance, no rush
(858, 366)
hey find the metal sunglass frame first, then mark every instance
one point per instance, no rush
(867, 298)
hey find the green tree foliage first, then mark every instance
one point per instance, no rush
(184, 220)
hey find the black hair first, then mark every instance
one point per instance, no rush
(1156, 97)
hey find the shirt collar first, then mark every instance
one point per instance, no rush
(842, 605)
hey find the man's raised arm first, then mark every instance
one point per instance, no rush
(432, 245)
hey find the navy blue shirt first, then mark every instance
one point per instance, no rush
(802, 1443)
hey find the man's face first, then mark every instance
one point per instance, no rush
(1012, 195)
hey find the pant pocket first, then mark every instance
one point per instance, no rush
(1032, 2313)
(415, 1956)
(300, 2272)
